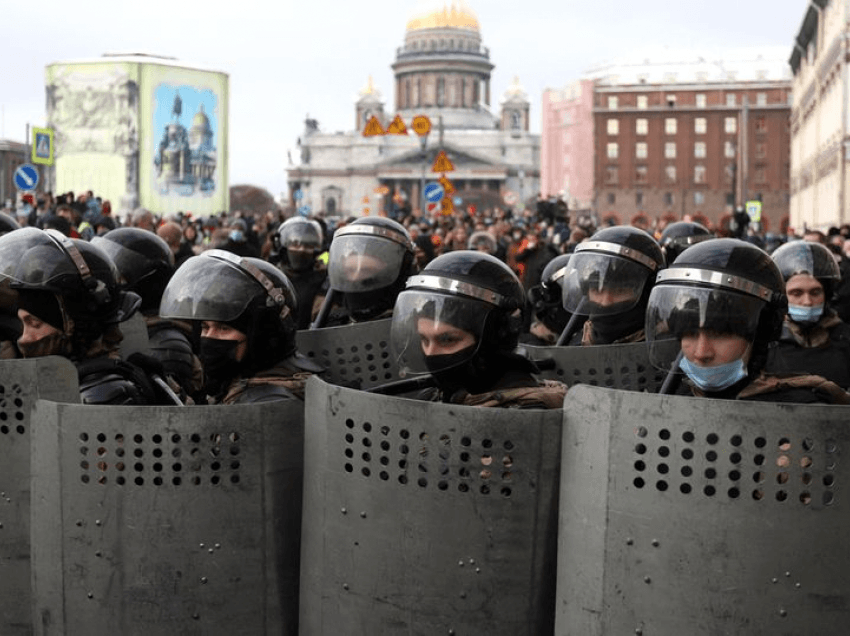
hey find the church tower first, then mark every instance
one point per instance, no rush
(443, 71)
(369, 104)
(515, 107)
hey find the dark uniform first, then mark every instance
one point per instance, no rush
(299, 242)
(460, 320)
(546, 302)
(255, 300)
(727, 291)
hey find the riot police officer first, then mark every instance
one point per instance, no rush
(814, 339)
(146, 264)
(369, 261)
(70, 305)
(460, 320)
(546, 301)
(713, 315)
(245, 309)
(298, 242)
(609, 279)
(679, 236)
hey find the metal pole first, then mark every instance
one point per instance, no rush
(423, 142)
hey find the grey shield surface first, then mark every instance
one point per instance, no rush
(693, 516)
(167, 520)
(356, 356)
(427, 518)
(135, 334)
(624, 366)
(22, 382)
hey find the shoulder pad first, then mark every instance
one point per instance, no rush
(109, 388)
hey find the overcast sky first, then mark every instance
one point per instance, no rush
(289, 58)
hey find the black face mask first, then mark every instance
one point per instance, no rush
(456, 371)
(220, 365)
(613, 327)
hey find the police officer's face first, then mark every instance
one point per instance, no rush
(222, 331)
(608, 296)
(34, 327)
(711, 349)
(804, 290)
(441, 338)
(362, 268)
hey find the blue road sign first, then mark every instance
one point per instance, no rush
(298, 195)
(304, 210)
(26, 177)
(434, 192)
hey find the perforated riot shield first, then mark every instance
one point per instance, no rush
(426, 518)
(695, 516)
(22, 382)
(167, 520)
(624, 366)
(356, 355)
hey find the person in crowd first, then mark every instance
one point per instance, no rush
(713, 315)
(370, 259)
(546, 302)
(172, 233)
(146, 264)
(298, 243)
(70, 305)
(459, 321)
(245, 309)
(609, 280)
(142, 219)
(814, 340)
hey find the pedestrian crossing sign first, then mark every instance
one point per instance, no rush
(42, 146)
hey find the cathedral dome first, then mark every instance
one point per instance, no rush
(200, 120)
(444, 14)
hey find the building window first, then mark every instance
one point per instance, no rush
(640, 174)
(670, 126)
(668, 198)
(642, 102)
(699, 198)
(613, 150)
(761, 99)
(699, 174)
(730, 198)
(612, 198)
(612, 175)
(639, 199)
(700, 100)
(612, 103)
(441, 91)
(613, 126)
(761, 151)
(760, 176)
(700, 125)
(729, 150)
(730, 99)
(670, 150)
(641, 126)
(730, 172)
(641, 150)
(730, 125)
(699, 150)
(761, 125)
(670, 174)
(671, 101)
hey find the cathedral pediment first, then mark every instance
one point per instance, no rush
(460, 159)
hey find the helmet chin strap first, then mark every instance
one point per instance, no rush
(96, 287)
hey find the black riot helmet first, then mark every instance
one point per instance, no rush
(298, 241)
(725, 286)
(369, 261)
(814, 259)
(145, 262)
(467, 290)
(250, 294)
(546, 298)
(679, 236)
(8, 224)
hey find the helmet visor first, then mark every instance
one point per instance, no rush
(208, 289)
(602, 284)
(132, 265)
(429, 326)
(359, 263)
(675, 311)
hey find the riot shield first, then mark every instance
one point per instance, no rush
(135, 333)
(356, 355)
(682, 515)
(427, 518)
(22, 382)
(167, 520)
(623, 366)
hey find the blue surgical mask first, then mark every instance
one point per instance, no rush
(800, 313)
(237, 236)
(714, 378)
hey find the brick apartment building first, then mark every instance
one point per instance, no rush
(692, 139)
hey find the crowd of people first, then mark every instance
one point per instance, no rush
(728, 313)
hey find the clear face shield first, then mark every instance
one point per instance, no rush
(207, 289)
(432, 331)
(597, 284)
(363, 262)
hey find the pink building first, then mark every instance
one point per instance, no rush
(566, 153)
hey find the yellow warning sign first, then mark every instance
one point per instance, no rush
(421, 125)
(442, 163)
(448, 186)
(373, 127)
(448, 208)
(397, 127)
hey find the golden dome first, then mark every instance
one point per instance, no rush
(200, 119)
(454, 15)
